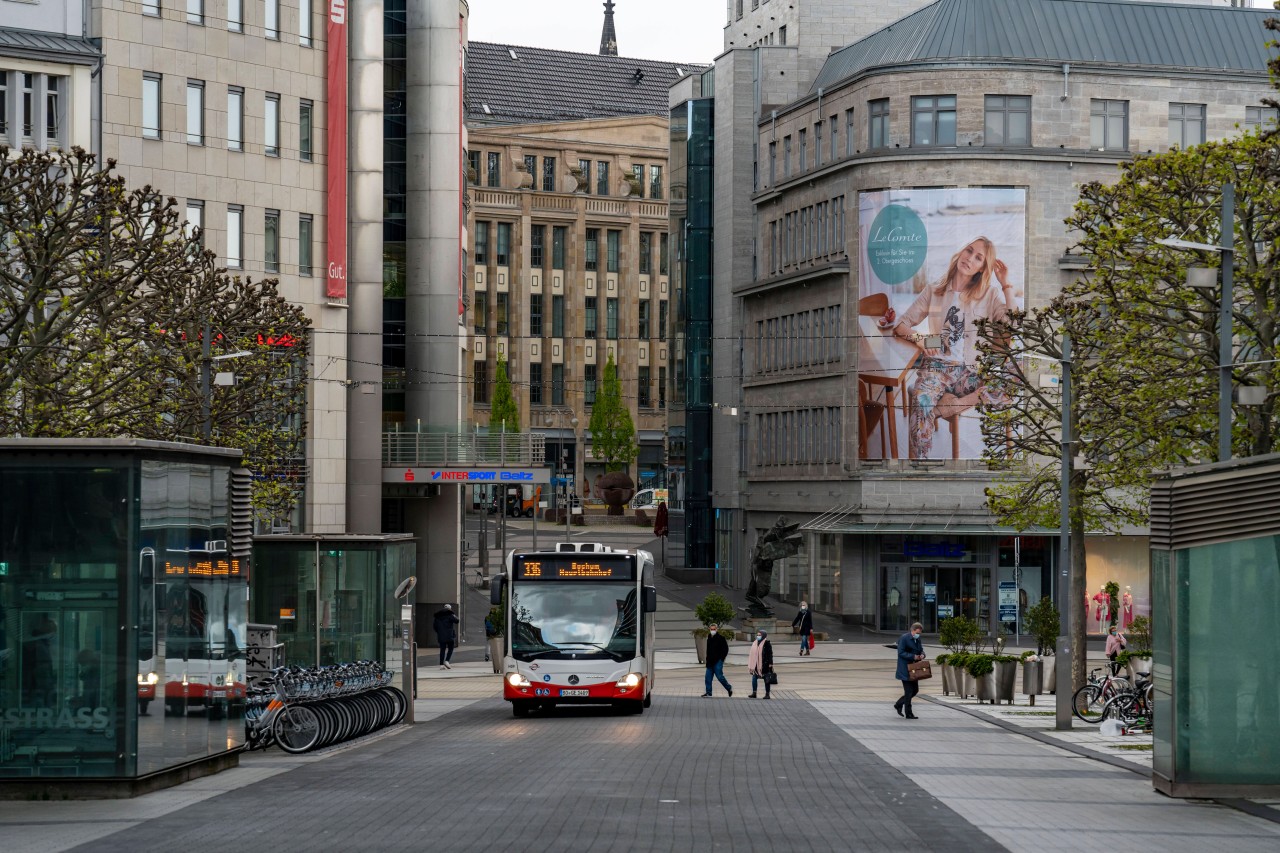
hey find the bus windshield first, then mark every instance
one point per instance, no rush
(554, 620)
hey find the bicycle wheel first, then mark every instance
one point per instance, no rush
(1087, 703)
(297, 729)
(1125, 707)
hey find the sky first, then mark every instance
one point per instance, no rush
(672, 30)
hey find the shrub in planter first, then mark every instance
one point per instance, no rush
(961, 682)
(1043, 623)
(1139, 634)
(1005, 675)
(715, 608)
(980, 665)
(941, 662)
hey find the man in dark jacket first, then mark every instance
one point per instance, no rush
(717, 652)
(910, 650)
(446, 627)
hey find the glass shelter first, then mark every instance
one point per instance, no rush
(123, 601)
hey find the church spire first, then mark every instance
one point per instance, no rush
(609, 37)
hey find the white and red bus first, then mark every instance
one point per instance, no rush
(580, 627)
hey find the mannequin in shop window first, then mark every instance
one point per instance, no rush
(1102, 607)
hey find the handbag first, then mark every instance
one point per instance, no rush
(771, 677)
(919, 670)
(810, 640)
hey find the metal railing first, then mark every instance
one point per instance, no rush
(463, 448)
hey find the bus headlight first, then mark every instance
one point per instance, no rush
(629, 680)
(515, 679)
(149, 678)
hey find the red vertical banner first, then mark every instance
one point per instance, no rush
(336, 171)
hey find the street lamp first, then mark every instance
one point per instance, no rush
(1204, 279)
(207, 382)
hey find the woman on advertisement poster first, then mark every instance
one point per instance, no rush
(946, 382)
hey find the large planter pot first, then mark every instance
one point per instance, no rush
(1006, 674)
(496, 651)
(946, 679)
(700, 643)
(1050, 675)
(987, 688)
(962, 681)
(1032, 677)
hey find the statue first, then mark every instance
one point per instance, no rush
(778, 543)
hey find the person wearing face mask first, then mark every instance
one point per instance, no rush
(804, 624)
(717, 653)
(910, 650)
(760, 663)
(1115, 644)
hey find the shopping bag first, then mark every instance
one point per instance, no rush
(811, 641)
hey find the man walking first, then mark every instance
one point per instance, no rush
(910, 650)
(445, 624)
(717, 652)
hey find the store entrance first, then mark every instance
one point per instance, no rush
(942, 592)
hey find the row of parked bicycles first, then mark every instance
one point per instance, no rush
(1110, 696)
(304, 708)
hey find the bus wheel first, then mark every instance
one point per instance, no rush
(519, 707)
(216, 711)
(173, 708)
(142, 707)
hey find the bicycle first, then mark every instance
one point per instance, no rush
(1133, 707)
(301, 708)
(1087, 702)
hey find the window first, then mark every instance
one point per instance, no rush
(473, 170)
(655, 182)
(933, 120)
(602, 177)
(804, 150)
(537, 234)
(52, 111)
(637, 176)
(151, 7)
(590, 317)
(535, 383)
(548, 174)
(662, 319)
(773, 163)
(611, 318)
(531, 166)
(1008, 120)
(235, 118)
(535, 314)
(1109, 125)
(642, 317)
(305, 243)
(235, 235)
(643, 396)
(195, 112)
(817, 144)
(4, 102)
(646, 252)
(494, 176)
(271, 19)
(878, 123)
(482, 243)
(151, 106)
(584, 166)
(589, 384)
(612, 240)
(835, 132)
(235, 15)
(592, 250)
(502, 251)
(480, 382)
(28, 105)
(662, 253)
(558, 234)
(557, 384)
(271, 125)
(502, 306)
(271, 241)
(786, 157)
(557, 316)
(1186, 124)
(304, 23)
(194, 229)
(662, 387)
(480, 312)
(195, 12)
(305, 111)
(1259, 116)
(782, 35)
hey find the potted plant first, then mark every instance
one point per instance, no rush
(982, 669)
(1005, 675)
(958, 633)
(715, 609)
(494, 631)
(960, 678)
(1043, 623)
(941, 661)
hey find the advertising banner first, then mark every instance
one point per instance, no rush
(931, 264)
(336, 139)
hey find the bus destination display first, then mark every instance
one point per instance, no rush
(575, 567)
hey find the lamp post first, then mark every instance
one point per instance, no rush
(1204, 278)
(207, 383)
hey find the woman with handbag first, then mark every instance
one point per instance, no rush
(804, 624)
(910, 650)
(760, 664)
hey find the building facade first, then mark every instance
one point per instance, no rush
(48, 65)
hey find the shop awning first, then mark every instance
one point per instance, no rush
(852, 518)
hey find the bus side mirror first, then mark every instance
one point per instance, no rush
(650, 599)
(495, 589)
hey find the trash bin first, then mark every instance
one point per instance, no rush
(1032, 677)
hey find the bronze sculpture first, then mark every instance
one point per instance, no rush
(779, 542)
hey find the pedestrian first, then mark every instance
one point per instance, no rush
(446, 627)
(804, 622)
(717, 652)
(910, 650)
(1115, 644)
(760, 663)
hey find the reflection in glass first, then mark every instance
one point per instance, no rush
(582, 619)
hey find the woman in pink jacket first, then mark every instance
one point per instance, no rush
(1115, 645)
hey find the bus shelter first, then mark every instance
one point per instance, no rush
(124, 568)
(1215, 579)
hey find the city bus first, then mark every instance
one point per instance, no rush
(580, 627)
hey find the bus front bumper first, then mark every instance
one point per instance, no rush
(631, 687)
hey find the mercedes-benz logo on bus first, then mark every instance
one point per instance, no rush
(573, 679)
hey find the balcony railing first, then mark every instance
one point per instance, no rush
(454, 448)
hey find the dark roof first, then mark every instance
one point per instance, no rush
(37, 45)
(1109, 32)
(540, 85)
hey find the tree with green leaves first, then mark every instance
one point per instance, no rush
(613, 433)
(105, 299)
(504, 416)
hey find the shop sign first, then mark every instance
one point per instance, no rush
(934, 550)
(336, 139)
(930, 593)
(946, 611)
(1008, 601)
(510, 476)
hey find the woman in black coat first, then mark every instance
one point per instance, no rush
(445, 623)
(760, 662)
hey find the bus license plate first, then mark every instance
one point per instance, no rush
(575, 692)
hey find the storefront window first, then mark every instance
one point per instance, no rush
(1024, 577)
(1125, 561)
(829, 559)
(929, 578)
